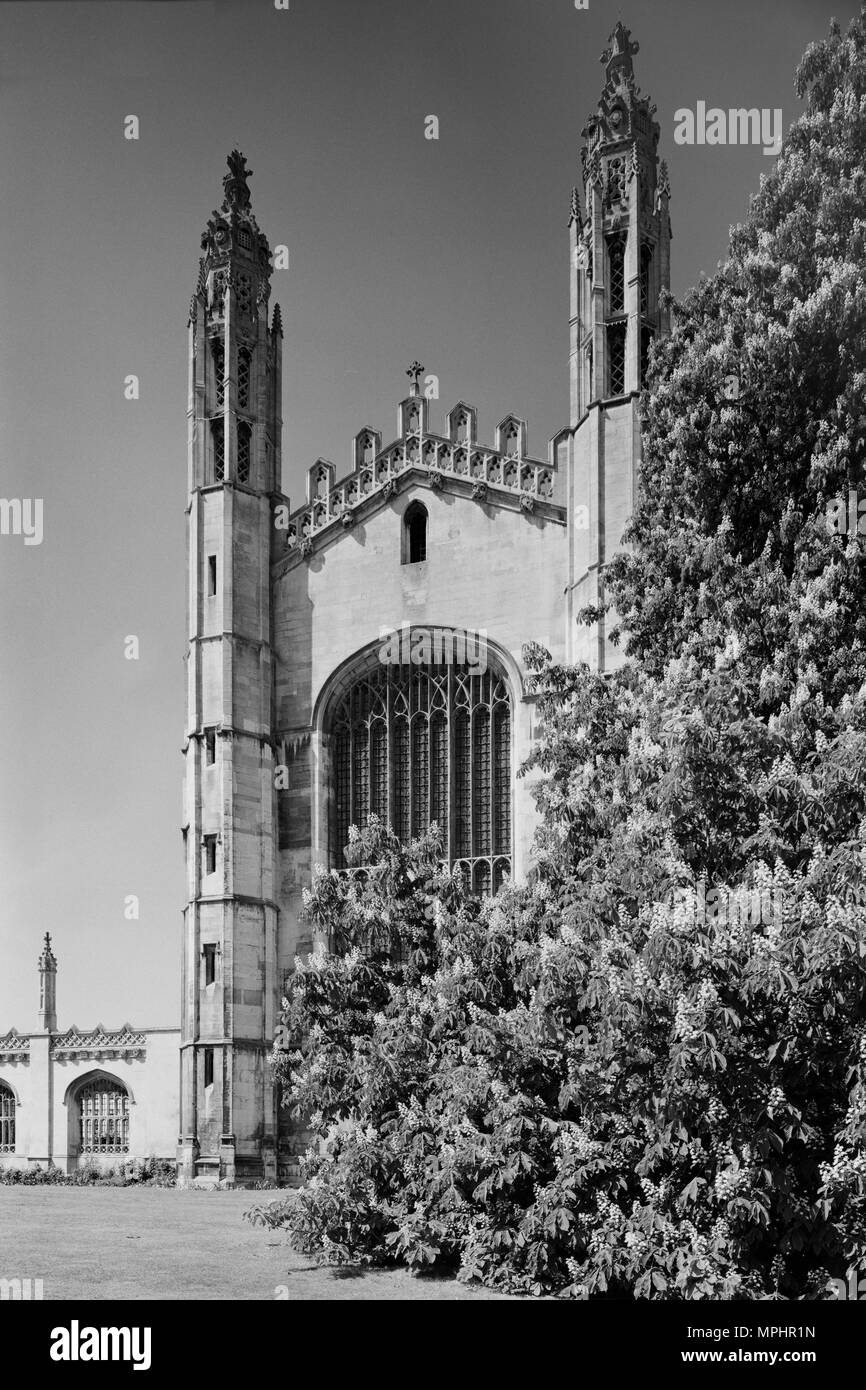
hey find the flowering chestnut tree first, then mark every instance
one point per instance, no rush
(609, 1081)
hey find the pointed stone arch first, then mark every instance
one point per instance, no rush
(98, 1121)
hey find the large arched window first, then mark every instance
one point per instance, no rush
(103, 1110)
(417, 743)
(7, 1119)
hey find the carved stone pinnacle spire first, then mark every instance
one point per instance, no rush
(237, 194)
(415, 371)
(47, 960)
(620, 51)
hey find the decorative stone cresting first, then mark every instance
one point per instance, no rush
(98, 1042)
(14, 1045)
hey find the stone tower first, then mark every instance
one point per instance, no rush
(230, 922)
(620, 263)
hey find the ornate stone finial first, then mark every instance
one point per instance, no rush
(621, 50)
(47, 966)
(237, 194)
(277, 322)
(47, 960)
(415, 371)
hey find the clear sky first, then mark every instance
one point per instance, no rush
(453, 251)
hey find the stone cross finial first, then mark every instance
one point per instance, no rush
(415, 371)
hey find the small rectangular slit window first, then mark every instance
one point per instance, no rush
(210, 848)
(209, 954)
(210, 747)
(208, 1066)
(211, 575)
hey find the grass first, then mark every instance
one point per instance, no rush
(141, 1243)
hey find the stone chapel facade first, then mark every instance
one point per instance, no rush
(357, 653)
(303, 715)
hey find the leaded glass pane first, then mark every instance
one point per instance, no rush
(104, 1118)
(439, 776)
(219, 371)
(420, 774)
(646, 256)
(502, 778)
(402, 826)
(244, 449)
(616, 261)
(219, 451)
(616, 351)
(462, 784)
(7, 1120)
(481, 782)
(244, 359)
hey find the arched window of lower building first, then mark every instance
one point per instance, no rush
(417, 743)
(7, 1119)
(103, 1110)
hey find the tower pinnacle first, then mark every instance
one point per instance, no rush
(47, 964)
(619, 53)
(415, 371)
(619, 242)
(237, 193)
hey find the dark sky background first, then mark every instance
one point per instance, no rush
(452, 251)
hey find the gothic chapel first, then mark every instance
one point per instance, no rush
(451, 534)
(297, 725)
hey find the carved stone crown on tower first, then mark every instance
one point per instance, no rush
(233, 227)
(623, 114)
(236, 253)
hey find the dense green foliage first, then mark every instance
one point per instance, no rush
(609, 1081)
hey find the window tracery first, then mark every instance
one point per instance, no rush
(417, 744)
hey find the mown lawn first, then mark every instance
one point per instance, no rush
(138, 1243)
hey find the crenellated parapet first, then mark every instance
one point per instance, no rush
(501, 474)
